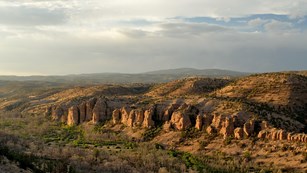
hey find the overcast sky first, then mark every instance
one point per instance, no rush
(91, 36)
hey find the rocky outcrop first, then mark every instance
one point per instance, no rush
(89, 109)
(139, 117)
(249, 128)
(73, 116)
(167, 126)
(180, 120)
(134, 117)
(227, 128)
(199, 122)
(264, 125)
(100, 111)
(131, 118)
(211, 130)
(169, 111)
(125, 111)
(82, 109)
(94, 110)
(57, 113)
(116, 116)
(171, 116)
(207, 120)
(148, 121)
(217, 121)
(277, 134)
(238, 133)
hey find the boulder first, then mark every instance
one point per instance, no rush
(73, 116)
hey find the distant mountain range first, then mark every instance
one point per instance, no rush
(147, 77)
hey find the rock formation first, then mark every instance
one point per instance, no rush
(82, 109)
(180, 120)
(56, 113)
(277, 134)
(217, 121)
(199, 122)
(73, 116)
(249, 128)
(210, 130)
(139, 117)
(148, 121)
(100, 111)
(131, 118)
(178, 117)
(227, 128)
(238, 133)
(89, 109)
(116, 116)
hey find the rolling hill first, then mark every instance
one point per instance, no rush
(111, 78)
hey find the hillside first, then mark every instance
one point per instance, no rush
(251, 124)
(188, 86)
(274, 88)
(282, 94)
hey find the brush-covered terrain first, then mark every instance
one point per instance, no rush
(255, 123)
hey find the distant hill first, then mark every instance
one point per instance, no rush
(199, 72)
(111, 78)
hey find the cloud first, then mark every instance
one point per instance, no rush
(277, 26)
(60, 37)
(257, 22)
(26, 16)
(189, 29)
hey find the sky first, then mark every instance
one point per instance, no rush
(55, 37)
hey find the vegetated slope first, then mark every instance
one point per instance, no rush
(188, 86)
(276, 94)
(35, 97)
(272, 88)
(222, 127)
(17, 89)
(15, 93)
